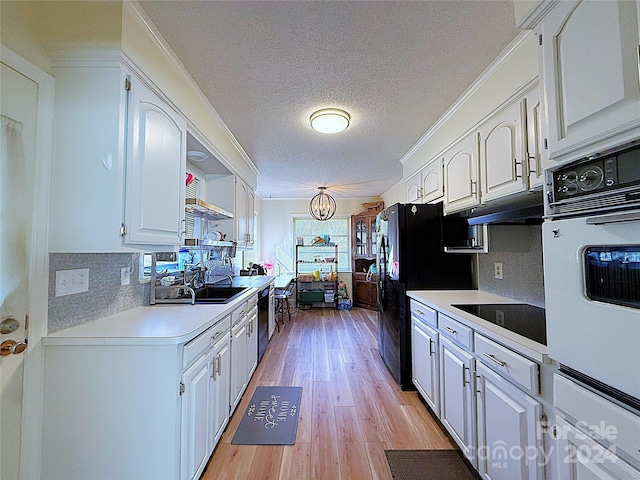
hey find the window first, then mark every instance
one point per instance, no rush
(336, 228)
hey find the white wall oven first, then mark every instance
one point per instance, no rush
(591, 245)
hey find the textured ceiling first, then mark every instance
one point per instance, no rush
(394, 66)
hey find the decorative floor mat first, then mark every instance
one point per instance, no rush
(271, 417)
(428, 465)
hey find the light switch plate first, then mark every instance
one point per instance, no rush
(69, 282)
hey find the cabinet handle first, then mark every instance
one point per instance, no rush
(431, 352)
(478, 380)
(450, 330)
(216, 335)
(213, 369)
(464, 377)
(474, 189)
(420, 312)
(494, 359)
(219, 363)
(515, 167)
(533, 158)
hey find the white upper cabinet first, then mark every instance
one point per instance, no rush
(426, 185)
(118, 162)
(155, 170)
(537, 151)
(461, 190)
(590, 72)
(502, 154)
(244, 215)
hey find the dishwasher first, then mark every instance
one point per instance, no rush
(263, 320)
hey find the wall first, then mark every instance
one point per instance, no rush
(515, 67)
(105, 296)
(519, 249)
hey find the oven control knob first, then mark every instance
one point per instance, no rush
(591, 178)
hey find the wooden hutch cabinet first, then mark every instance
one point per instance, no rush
(363, 248)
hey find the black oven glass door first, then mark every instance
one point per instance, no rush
(612, 274)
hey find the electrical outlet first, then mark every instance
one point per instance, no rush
(69, 282)
(125, 276)
(497, 266)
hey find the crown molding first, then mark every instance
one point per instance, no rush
(150, 29)
(469, 92)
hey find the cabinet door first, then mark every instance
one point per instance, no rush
(239, 361)
(155, 171)
(221, 374)
(373, 235)
(432, 182)
(197, 417)
(590, 73)
(424, 362)
(251, 201)
(509, 444)
(457, 400)
(578, 457)
(360, 229)
(461, 175)
(414, 188)
(252, 343)
(502, 154)
(537, 154)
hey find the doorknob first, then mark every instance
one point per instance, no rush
(11, 346)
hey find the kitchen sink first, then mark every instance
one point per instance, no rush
(211, 294)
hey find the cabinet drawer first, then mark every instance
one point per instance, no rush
(194, 348)
(425, 314)
(507, 363)
(239, 313)
(456, 331)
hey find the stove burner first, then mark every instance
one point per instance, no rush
(520, 318)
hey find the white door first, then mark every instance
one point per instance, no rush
(461, 189)
(19, 110)
(424, 353)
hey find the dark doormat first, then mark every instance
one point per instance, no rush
(428, 465)
(271, 417)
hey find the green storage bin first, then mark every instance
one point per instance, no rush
(310, 296)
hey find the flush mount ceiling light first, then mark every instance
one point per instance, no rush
(329, 120)
(322, 206)
(196, 156)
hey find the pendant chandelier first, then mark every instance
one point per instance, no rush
(322, 206)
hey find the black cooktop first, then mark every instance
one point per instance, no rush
(520, 318)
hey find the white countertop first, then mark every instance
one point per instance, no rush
(442, 300)
(161, 324)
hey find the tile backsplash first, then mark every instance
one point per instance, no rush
(519, 249)
(105, 295)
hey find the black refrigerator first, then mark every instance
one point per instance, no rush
(410, 257)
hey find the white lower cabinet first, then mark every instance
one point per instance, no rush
(509, 443)
(220, 396)
(424, 360)
(244, 349)
(197, 416)
(457, 396)
(117, 409)
(492, 410)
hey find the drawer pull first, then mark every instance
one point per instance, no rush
(494, 359)
(419, 312)
(450, 330)
(217, 334)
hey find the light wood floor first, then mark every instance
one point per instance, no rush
(351, 409)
